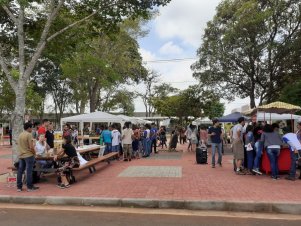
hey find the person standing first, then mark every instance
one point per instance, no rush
(127, 139)
(49, 135)
(272, 141)
(26, 158)
(146, 141)
(43, 128)
(258, 148)
(238, 145)
(292, 140)
(107, 139)
(153, 135)
(116, 136)
(216, 134)
(203, 135)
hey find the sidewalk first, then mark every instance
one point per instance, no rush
(167, 176)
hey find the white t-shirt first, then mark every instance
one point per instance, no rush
(127, 136)
(236, 129)
(40, 149)
(115, 137)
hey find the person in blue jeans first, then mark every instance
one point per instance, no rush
(272, 142)
(107, 139)
(249, 141)
(216, 134)
(258, 148)
(26, 158)
(292, 140)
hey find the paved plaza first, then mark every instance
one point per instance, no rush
(164, 176)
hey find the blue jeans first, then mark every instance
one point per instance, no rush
(219, 149)
(250, 157)
(258, 150)
(273, 154)
(294, 158)
(147, 146)
(26, 163)
(108, 148)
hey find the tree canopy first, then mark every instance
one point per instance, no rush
(250, 49)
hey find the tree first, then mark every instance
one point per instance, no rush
(149, 82)
(20, 52)
(292, 93)
(249, 49)
(193, 101)
(106, 61)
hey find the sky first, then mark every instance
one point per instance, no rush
(176, 33)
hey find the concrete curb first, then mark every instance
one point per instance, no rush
(260, 207)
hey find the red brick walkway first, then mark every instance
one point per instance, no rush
(198, 182)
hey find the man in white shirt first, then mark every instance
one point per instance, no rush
(116, 136)
(127, 139)
(292, 140)
(238, 147)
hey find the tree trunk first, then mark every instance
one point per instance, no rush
(93, 97)
(82, 107)
(252, 101)
(18, 119)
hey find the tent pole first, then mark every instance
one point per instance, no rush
(293, 124)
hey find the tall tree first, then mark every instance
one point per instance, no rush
(249, 49)
(19, 51)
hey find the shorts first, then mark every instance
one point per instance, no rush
(238, 149)
(115, 148)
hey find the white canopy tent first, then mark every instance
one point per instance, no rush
(97, 116)
(200, 121)
(129, 119)
(261, 116)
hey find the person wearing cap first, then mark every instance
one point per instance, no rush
(216, 135)
(292, 140)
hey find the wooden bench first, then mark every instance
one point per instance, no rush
(91, 165)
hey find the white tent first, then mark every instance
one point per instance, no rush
(200, 121)
(129, 119)
(97, 116)
(261, 116)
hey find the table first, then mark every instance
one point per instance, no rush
(90, 138)
(284, 161)
(86, 150)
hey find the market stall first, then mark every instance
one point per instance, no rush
(95, 117)
(276, 109)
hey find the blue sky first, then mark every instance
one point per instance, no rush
(177, 33)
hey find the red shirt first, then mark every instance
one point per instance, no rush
(41, 130)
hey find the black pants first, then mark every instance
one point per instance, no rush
(154, 144)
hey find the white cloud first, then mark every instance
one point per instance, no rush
(185, 20)
(170, 49)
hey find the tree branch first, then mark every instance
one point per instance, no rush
(42, 43)
(10, 14)
(10, 79)
(21, 42)
(70, 26)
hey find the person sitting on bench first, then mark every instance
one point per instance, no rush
(71, 161)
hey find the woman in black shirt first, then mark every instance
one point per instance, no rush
(72, 161)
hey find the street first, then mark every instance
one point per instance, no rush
(27, 215)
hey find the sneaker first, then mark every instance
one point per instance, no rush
(220, 165)
(257, 171)
(290, 178)
(249, 172)
(32, 189)
(64, 186)
(19, 189)
(240, 172)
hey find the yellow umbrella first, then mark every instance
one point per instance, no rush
(279, 108)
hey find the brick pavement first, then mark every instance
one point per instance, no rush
(191, 182)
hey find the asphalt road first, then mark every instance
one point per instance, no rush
(44, 216)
